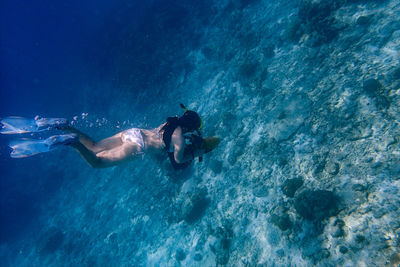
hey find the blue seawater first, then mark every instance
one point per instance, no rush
(305, 95)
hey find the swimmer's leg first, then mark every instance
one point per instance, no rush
(126, 152)
(105, 153)
(109, 157)
(89, 143)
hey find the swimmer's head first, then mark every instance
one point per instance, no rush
(190, 120)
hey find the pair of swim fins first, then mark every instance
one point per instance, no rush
(28, 147)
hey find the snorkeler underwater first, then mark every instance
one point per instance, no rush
(174, 138)
(285, 151)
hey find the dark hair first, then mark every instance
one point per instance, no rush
(190, 120)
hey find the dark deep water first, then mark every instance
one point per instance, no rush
(305, 94)
(43, 49)
(42, 53)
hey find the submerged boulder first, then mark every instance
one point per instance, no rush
(180, 255)
(372, 87)
(316, 205)
(283, 221)
(290, 186)
(196, 209)
(221, 246)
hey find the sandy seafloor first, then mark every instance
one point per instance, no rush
(306, 97)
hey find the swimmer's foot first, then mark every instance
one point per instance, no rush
(63, 139)
(20, 125)
(29, 147)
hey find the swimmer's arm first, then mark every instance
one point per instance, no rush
(183, 153)
(179, 145)
(192, 152)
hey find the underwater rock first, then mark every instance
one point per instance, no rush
(343, 249)
(316, 205)
(221, 250)
(290, 186)
(375, 89)
(338, 233)
(261, 191)
(332, 168)
(359, 242)
(180, 255)
(222, 244)
(50, 241)
(198, 257)
(282, 221)
(338, 228)
(372, 87)
(360, 239)
(196, 209)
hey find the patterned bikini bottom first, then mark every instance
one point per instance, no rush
(133, 135)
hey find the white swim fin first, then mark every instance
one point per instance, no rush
(28, 147)
(20, 125)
